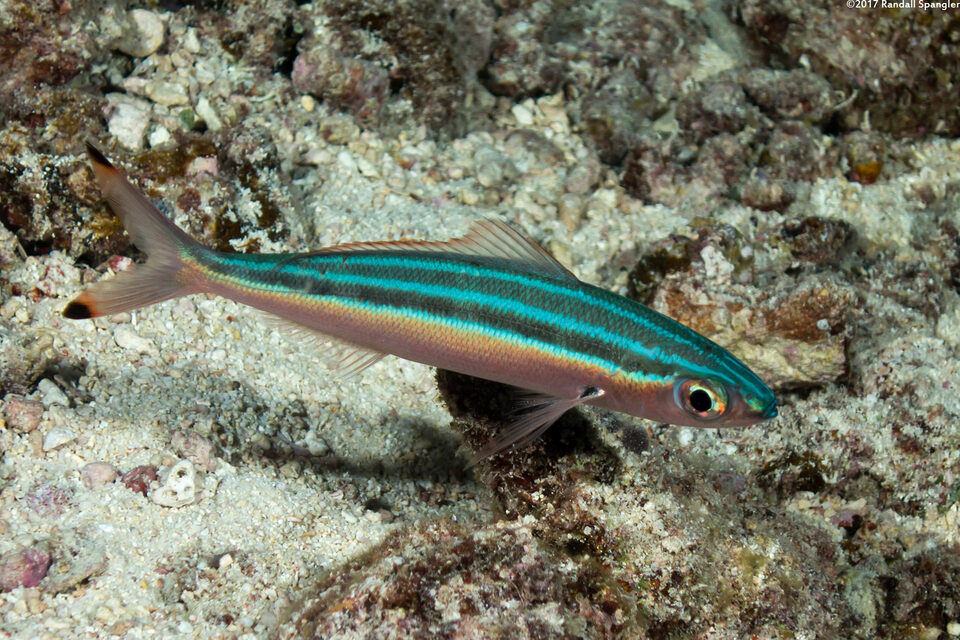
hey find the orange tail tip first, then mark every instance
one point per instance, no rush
(162, 277)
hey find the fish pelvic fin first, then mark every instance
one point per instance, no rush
(535, 413)
(162, 277)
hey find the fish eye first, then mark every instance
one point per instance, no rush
(702, 399)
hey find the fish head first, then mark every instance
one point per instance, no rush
(718, 392)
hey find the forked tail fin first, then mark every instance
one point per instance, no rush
(162, 277)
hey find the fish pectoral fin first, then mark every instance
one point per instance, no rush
(345, 358)
(534, 415)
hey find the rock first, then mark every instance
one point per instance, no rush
(159, 137)
(719, 107)
(23, 359)
(391, 56)
(142, 35)
(178, 488)
(441, 578)
(206, 111)
(489, 165)
(895, 66)
(583, 176)
(76, 557)
(24, 567)
(192, 446)
(126, 337)
(797, 151)
(21, 414)
(139, 478)
(128, 120)
(72, 569)
(793, 338)
(354, 85)
(815, 240)
(614, 113)
(766, 195)
(97, 474)
(790, 95)
(51, 395)
(570, 210)
(169, 94)
(48, 500)
(57, 437)
(794, 335)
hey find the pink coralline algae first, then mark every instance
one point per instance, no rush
(49, 501)
(97, 474)
(21, 413)
(139, 478)
(357, 86)
(24, 567)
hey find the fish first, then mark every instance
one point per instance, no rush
(491, 304)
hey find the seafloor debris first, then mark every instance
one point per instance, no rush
(762, 171)
(95, 475)
(24, 567)
(22, 414)
(176, 486)
(139, 478)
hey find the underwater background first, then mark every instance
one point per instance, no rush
(782, 177)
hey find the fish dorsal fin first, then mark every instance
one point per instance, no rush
(489, 238)
(344, 358)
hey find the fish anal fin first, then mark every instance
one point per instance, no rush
(489, 238)
(345, 358)
(535, 414)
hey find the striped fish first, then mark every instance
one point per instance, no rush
(491, 304)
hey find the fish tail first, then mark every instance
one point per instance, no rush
(165, 275)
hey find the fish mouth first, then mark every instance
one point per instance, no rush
(770, 411)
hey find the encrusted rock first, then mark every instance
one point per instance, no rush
(797, 151)
(97, 474)
(178, 487)
(614, 113)
(21, 413)
(143, 33)
(765, 194)
(895, 69)
(57, 437)
(792, 336)
(51, 395)
(192, 446)
(49, 500)
(816, 240)
(790, 95)
(126, 337)
(23, 359)
(24, 567)
(351, 84)
(792, 339)
(399, 54)
(139, 478)
(492, 581)
(76, 557)
(720, 106)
